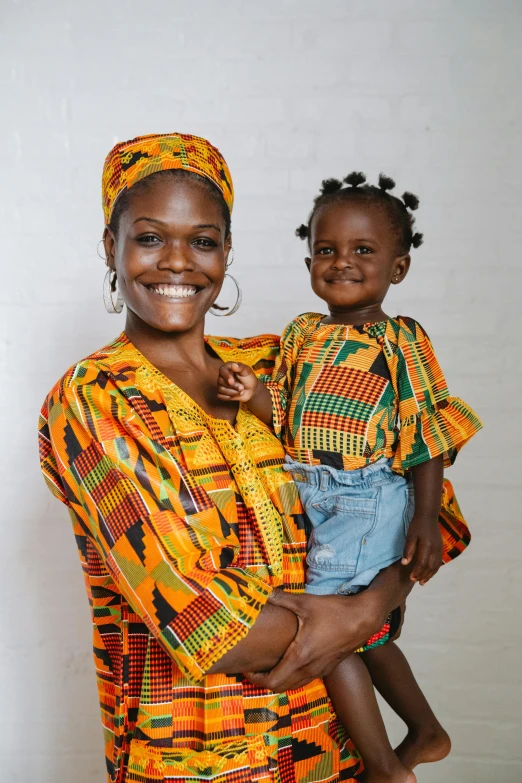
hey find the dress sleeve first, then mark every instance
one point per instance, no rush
(283, 375)
(167, 547)
(431, 421)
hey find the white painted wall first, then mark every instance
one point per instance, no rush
(291, 91)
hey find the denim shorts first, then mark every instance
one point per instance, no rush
(360, 519)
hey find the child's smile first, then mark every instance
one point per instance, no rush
(354, 259)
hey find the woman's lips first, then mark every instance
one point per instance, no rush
(180, 291)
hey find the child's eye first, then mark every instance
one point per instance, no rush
(148, 239)
(324, 251)
(363, 250)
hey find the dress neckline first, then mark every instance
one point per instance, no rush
(369, 327)
(169, 386)
(365, 325)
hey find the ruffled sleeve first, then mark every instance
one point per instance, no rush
(431, 421)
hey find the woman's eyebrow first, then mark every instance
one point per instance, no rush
(162, 223)
(208, 225)
(150, 220)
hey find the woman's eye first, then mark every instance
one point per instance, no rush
(204, 242)
(148, 239)
(363, 250)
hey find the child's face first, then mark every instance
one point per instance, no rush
(354, 255)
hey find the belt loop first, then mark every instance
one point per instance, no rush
(324, 480)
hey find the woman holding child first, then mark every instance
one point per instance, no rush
(186, 521)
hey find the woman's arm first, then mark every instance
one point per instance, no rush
(264, 645)
(163, 542)
(329, 628)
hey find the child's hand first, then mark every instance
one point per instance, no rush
(236, 381)
(424, 543)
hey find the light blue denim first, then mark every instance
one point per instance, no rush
(360, 519)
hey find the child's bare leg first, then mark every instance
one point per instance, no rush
(391, 674)
(353, 697)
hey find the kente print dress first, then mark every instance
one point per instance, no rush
(184, 525)
(346, 396)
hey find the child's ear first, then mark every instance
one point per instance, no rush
(308, 262)
(400, 269)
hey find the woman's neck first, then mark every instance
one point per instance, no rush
(169, 350)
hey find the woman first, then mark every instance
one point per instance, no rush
(184, 519)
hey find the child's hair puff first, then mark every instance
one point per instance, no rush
(399, 209)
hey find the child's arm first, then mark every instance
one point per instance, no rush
(237, 381)
(424, 540)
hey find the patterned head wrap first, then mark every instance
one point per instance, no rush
(130, 161)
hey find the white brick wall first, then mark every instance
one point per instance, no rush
(291, 91)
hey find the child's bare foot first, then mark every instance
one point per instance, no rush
(421, 746)
(399, 774)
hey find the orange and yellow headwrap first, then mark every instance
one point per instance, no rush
(130, 161)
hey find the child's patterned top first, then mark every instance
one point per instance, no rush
(348, 395)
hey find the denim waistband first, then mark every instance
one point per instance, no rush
(315, 475)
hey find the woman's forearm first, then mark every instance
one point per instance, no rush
(276, 627)
(263, 646)
(331, 627)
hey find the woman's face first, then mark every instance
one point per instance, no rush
(169, 254)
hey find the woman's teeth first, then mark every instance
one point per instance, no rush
(177, 291)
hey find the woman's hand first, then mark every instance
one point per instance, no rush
(236, 381)
(330, 627)
(424, 548)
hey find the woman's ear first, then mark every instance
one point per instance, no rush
(400, 268)
(109, 242)
(227, 247)
(308, 262)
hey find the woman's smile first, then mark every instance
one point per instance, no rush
(173, 291)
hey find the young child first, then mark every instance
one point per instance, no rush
(368, 424)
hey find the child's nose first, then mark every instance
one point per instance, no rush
(343, 260)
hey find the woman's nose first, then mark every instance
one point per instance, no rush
(177, 257)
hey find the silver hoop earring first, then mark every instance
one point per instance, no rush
(237, 304)
(103, 258)
(230, 261)
(109, 286)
